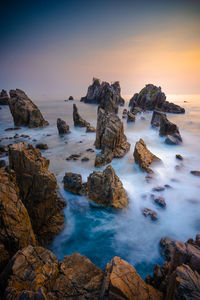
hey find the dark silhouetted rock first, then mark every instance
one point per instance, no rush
(178, 156)
(195, 173)
(73, 183)
(71, 98)
(156, 118)
(85, 158)
(62, 127)
(143, 156)
(24, 111)
(78, 121)
(105, 188)
(4, 98)
(2, 163)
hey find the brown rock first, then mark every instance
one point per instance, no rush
(150, 213)
(62, 127)
(24, 111)
(42, 146)
(73, 183)
(195, 173)
(130, 117)
(38, 191)
(4, 98)
(90, 128)
(105, 188)
(143, 156)
(156, 118)
(78, 121)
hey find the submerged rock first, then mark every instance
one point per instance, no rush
(159, 200)
(143, 156)
(195, 173)
(42, 146)
(62, 127)
(178, 156)
(24, 111)
(110, 138)
(150, 213)
(73, 183)
(105, 188)
(37, 187)
(151, 97)
(4, 98)
(78, 121)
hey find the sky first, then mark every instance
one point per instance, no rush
(54, 48)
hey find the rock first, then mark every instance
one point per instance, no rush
(123, 282)
(37, 187)
(105, 188)
(125, 112)
(71, 98)
(130, 117)
(3, 149)
(151, 213)
(78, 121)
(167, 246)
(12, 128)
(109, 101)
(156, 118)
(195, 173)
(73, 157)
(2, 163)
(90, 128)
(85, 158)
(4, 98)
(16, 136)
(90, 150)
(159, 200)
(62, 127)
(151, 97)
(110, 138)
(96, 93)
(73, 183)
(24, 111)
(167, 127)
(158, 189)
(25, 136)
(143, 156)
(15, 230)
(178, 156)
(42, 146)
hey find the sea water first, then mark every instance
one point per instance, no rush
(102, 233)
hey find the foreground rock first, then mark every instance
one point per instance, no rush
(151, 97)
(105, 188)
(37, 187)
(97, 91)
(122, 282)
(24, 111)
(16, 229)
(63, 128)
(78, 121)
(73, 183)
(143, 156)
(4, 98)
(90, 128)
(110, 138)
(35, 273)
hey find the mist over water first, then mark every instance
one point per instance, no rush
(101, 233)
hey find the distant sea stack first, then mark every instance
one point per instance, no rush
(4, 98)
(151, 97)
(24, 111)
(95, 93)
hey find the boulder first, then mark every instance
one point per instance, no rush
(71, 98)
(143, 156)
(105, 188)
(24, 111)
(151, 97)
(4, 98)
(174, 139)
(78, 121)
(195, 173)
(73, 183)
(150, 213)
(167, 127)
(62, 127)
(167, 247)
(179, 157)
(156, 118)
(42, 146)
(123, 282)
(37, 187)
(130, 117)
(110, 138)
(159, 200)
(16, 230)
(90, 128)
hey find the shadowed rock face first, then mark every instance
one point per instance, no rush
(37, 187)
(105, 188)
(110, 138)
(97, 91)
(24, 111)
(151, 97)
(15, 225)
(73, 183)
(62, 127)
(78, 120)
(4, 98)
(143, 156)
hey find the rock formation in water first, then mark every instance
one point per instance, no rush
(110, 138)
(4, 98)
(71, 98)
(37, 187)
(151, 97)
(90, 128)
(73, 183)
(130, 117)
(78, 121)
(63, 128)
(143, 156)
(96, 93)
(156, 118)
(24, 111)
(15, 225)
(105, 188)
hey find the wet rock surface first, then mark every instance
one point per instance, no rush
(63, 128)
(4, 98)
(24, 111)
(78, 120)
(147, 212)
(73, 183)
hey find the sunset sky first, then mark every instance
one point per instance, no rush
(55, 48)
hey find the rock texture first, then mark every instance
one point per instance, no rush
(4, 98)
(170, 130)
(143, 156)
(62, 127)
(15, 225)
(90, 128)
(130, 117)
(38, 191)
(78, 121)
(73, 183)
(151, 97)
(156, 118)
(98, 93)
(24, 111)
(110, 138)
(123, 282)
(105, 188)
